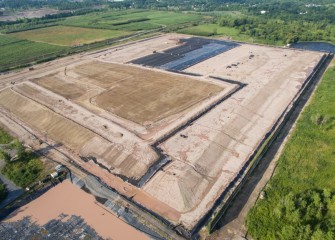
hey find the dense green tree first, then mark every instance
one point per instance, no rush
(308, 215)
(299, 200)
(25, 169)
(23, 172)
(287, 31)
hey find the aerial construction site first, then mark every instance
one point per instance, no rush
(172, 123)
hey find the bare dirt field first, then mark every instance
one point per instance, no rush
(39, 118)
(29, 14)
(68, 36)
(144, 96)
(125, 160)
(132, 96)
(128, 52)
(208, 124)
(62, 87)
(220, 143)
(68, 199)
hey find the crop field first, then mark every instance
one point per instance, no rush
(6, 39)
(68, 36)
(48, 42)
(131, 20)
(28, 51)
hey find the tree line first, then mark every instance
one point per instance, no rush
(308, 215)
(288, 31)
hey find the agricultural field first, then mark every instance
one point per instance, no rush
(68, 36)
(6, 40)
(28, 51)
(299, 201)
(60, 37)
(131, 20)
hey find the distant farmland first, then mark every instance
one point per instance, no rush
(27, 51)
(131, 20)
(46, 41)
(68, 36)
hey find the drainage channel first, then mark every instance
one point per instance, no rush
(163, 160)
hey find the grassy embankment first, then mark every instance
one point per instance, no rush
(299, 200)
